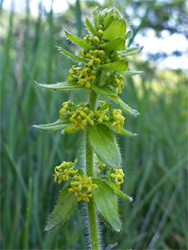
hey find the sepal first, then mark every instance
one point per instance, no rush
(63, 209)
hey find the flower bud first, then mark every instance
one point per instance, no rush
(96, 40)
(101, 53)
(100, 33)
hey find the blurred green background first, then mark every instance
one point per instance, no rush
(154, 162)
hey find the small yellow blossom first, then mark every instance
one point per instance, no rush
(101, 115)
(118, 119)
(117, 175)
(82, 187)
(64, 171)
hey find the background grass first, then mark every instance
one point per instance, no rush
(154, 162)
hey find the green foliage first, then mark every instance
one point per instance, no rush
(155, 160)
(60, 124)
(72, 56)
(115, 45)
(107, 205)
(104, 144)
(60, 86)
(78, 41)
(115, 30)
(115, 66)
(63, 209)
(130, 51)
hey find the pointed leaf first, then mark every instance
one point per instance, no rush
(72, 56)
(127, 35)
(110, 17)
(107, 204)
(115, 30)
(118, 192)
(104, 144)
(115, 45)
(120, 65)
(60, 124)
(131, 51)
(96, 17)
(133, 73)
(90, 27)
(78, 41)
(122, 130)
(103, 90)
(62, 210)
(61, 86)
(124, 106)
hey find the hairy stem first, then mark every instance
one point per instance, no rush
(90, 172)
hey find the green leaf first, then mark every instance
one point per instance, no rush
(115, 30)
(103, 90)
(106, 202)
(118, 192)
(104, 144)
(122, 130)
(130, 51)
(96, 17)
(78, 41)
(61, 86)
(127, 35)
(110, 17)
(120, 65)
(62, 210)
(115, 45)
(90, 27)
(124, 106)
(133, 73)
(72, 56)
(60, 124)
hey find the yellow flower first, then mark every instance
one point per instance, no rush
(118, 119)
(64, 171)
(117, 175)
(82, 187)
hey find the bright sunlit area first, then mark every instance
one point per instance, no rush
(166, 44)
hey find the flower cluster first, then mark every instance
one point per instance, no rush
(118, 119)
(83, 75)
(106, 172)
(117, 82)
(81, 115)
(82, 184)
(64, 171)
(82, 187)
(117, 175)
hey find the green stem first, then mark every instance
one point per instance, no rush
(90, 172)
